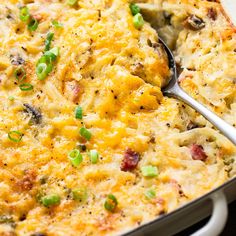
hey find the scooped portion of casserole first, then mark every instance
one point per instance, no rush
(88, 143)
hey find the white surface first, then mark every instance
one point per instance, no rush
(219, 216)
(230, 8)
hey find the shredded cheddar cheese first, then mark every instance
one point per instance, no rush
(131, 154)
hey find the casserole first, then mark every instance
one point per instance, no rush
(89, 143)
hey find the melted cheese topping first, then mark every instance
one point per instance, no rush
(114, 72)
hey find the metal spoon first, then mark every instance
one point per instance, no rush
(172, 89)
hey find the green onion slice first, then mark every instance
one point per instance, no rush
(149, 171)
(56, 24)
(72, 2)
(138, 21)
(150, 194)
(24, 14)
(85, 133)
(42, 70)
(48, 41)
(20, 74)
(52, 54)
(15, 136)
(33, 24)
(134, 9)
(44, 59)
(26, 87)
(93, 156)
(80, 194)
(111, 203)
(75, 157)
(78, 112)
(51, 200)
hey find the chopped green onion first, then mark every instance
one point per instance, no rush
(56, 24)
(55, 51)
(85, 133)
(150, 194)
(52, 54)
(42, 70)
(44, 65)
(45, 59)
(78, 112)
(134, 9)
(26, 87)
(48, 41)
(11, 98)
(149, 171)
(24, 14)
(110, 203)
(93, 156)
(75, 157)
(20, 74)
(138, 21)
(33, 24)
(15, 136)
(72, 2)
(80, 194)
(51, 200)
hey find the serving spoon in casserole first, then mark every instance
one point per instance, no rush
(172, 89)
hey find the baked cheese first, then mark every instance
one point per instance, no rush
(146, 143)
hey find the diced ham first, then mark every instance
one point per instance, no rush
(130, 160)
(198, 152)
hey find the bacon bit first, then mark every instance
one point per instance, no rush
(130, 160)
(198, 152)
(212, 13)
(28, 180)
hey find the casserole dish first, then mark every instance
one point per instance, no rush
(214, 202)
(89, 145)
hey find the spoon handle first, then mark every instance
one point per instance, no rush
(228, 130)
